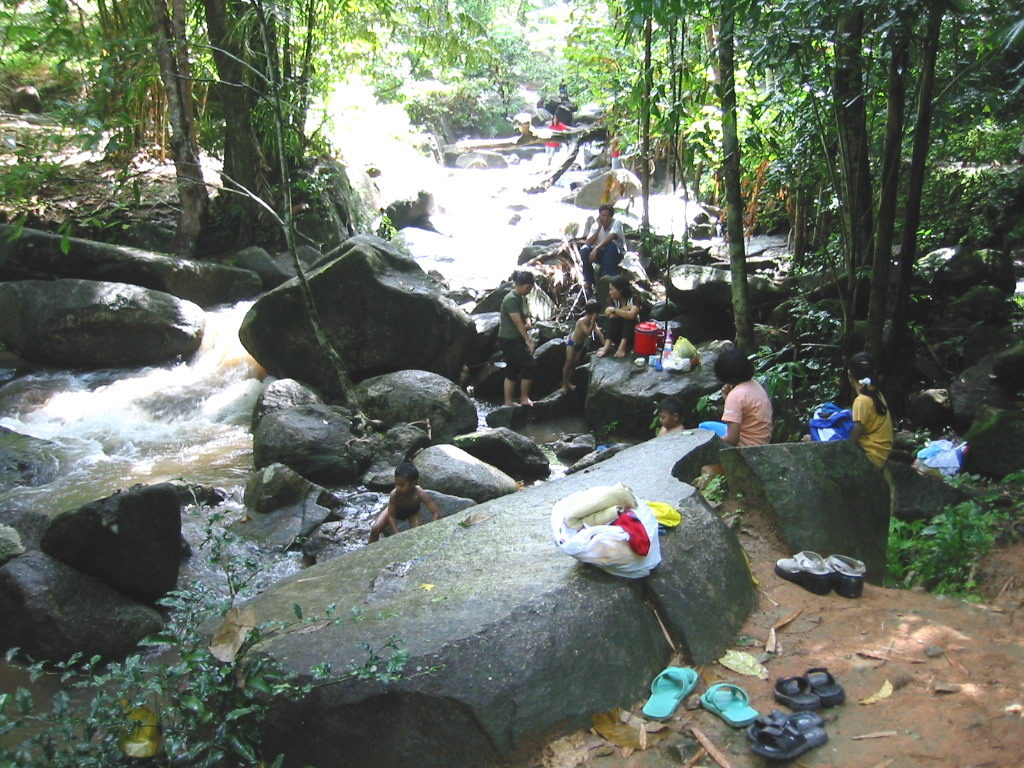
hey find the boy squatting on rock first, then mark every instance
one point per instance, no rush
(405, 503)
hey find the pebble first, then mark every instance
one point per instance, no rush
(933, 651)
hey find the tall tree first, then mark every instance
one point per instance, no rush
(731, 177)
(176, 75)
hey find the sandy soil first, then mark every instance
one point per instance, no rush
(956, 669)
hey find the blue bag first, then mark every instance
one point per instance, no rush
(830, 422)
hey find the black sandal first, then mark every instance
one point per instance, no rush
(777, 743)
(825, 686)
(810, 724)
(796, 693)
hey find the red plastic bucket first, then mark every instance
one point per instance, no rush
(646, 338)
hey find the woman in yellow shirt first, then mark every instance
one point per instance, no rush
(872, 422)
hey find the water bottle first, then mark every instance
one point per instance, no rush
(666, 352)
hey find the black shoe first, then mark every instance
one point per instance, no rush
(847, 575)
(809, 570)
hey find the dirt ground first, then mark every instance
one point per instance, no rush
(956, 669)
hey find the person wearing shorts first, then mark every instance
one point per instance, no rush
(514, 340)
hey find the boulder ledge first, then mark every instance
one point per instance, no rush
(520, 639)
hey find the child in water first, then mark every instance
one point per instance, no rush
(670, 414)
(585, 326)
(872, 422)
(406, 502)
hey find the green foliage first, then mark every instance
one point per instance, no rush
(209, 711)
(972, 206)
(715, 490)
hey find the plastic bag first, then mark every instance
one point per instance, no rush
(940, 457)
(606, 546)
(684, 349)
(578, 508)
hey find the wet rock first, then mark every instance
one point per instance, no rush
(624, 398)
(25, 460)
(380, 310)
(397, 445)
(930, 408)
(451, 470)
(1008, 368)
(281, 394)
(957, 270)
(130, 541)
(919, 497)
(272, 272)
(36, 254)
(601, 453)
(976, 388)
(825, 497)
(509, 451)
(701, 289)
(279, 528)
(702, 327)
(413, 396)
(275, 486)
(50, 611)
(573, 448)
(325, 444)
(414, 211)
(553, 406)
(996, 440)
(85, 324)
(531, 252)
(485, 342)
(481, 159)
(982, 303)
(25, 98)
(10, 544)
(491, 302)
(507, 597)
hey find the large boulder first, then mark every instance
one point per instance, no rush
(824, 497)
(414, 396)
(976, 388)
(486, 339)
(130, 541)
(1008, 367)
(930, 408)
(278, 529)
(509, 451)
(573, 447)
(276, 486)
(412, 211)
(996, 440)
(704, 289)
(397, 445)
(84, 324)
(957, 270)
(507, 615)
(281, 394)
(272, 271)
(919, 497)
(556, 405)
(379, 309)
(451, 470)
(50, 611)
(25, 98)
(624, 398)
(325, 444)
(33, 254)
(25, 460)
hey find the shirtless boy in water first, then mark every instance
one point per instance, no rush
(585, 326)
(405, 503)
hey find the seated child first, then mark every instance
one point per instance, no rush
(747, 415)
(872, 422)
(585, 326)
(622, 313)
(405, 503)
(670, 414)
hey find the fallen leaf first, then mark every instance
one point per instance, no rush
(566, 752)
(784, 621)
(883, 693)
(744, 663)
(238, 623)
(426, 587)
(144, 739)
(438, 599)
(626, 752)
(475, 518)
(610, 726)
(875, 735)
(772, 642)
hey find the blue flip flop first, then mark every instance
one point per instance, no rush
(729, 702)
(668, 689)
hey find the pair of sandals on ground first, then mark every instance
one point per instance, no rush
(777, 735)
(821, 575)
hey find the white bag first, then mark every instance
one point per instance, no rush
(606, 546)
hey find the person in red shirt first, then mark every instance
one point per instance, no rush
(551, 147)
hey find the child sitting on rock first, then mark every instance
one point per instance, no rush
(585, 326)
(406, 502)
(670, 414)
(622, 314)
(747, 415)
(872, 422)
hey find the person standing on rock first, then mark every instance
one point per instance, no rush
(514, 340)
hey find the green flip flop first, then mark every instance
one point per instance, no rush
(729, 702)
(669, 688)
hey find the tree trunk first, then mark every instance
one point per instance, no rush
(244, 166)
(731, 178)
(892, 152)
(645, 134)
(912, 217)
(851, 122)
(172, 56)
(801, 224)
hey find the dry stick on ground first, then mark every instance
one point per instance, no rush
(714, 752)
(697, 757)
